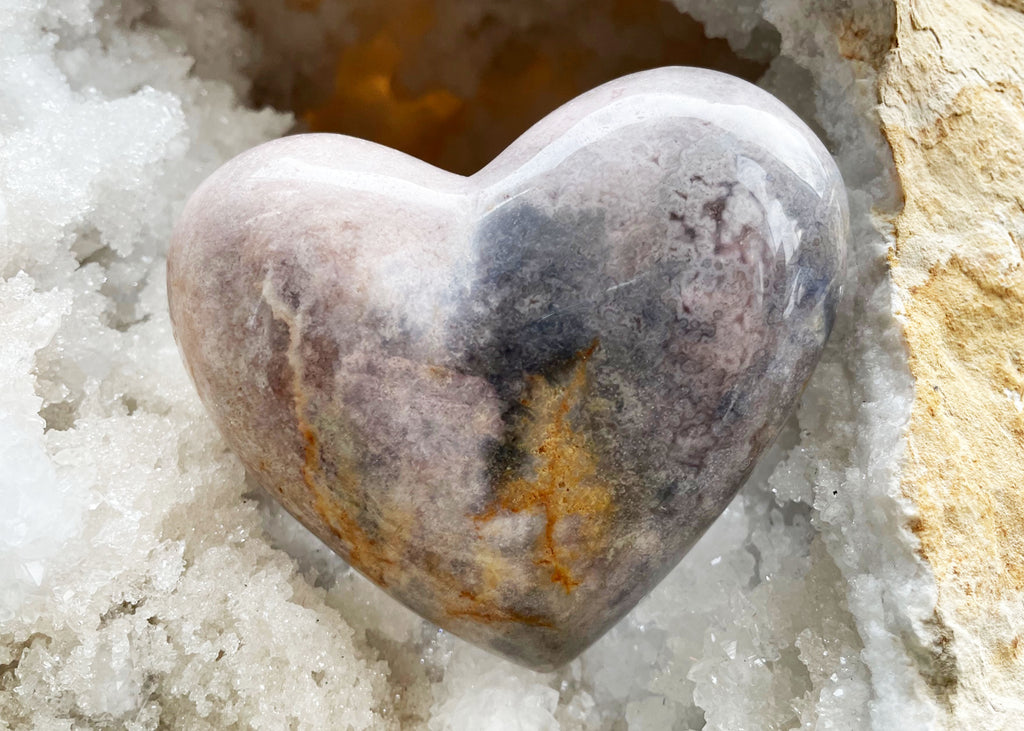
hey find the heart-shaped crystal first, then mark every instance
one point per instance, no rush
(515, 400)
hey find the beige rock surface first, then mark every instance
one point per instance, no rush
(953, 111)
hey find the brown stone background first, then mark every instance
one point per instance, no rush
(952, 109)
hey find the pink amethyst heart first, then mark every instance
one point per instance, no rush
(515, 400)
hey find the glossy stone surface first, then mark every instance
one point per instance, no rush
(515, 400)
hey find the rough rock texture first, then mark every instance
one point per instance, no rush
(515, 400)
(953, 111)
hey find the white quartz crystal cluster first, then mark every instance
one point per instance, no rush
(144, 584)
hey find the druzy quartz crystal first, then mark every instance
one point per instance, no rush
(514, 400)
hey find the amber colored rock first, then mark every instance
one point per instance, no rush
(515, 400)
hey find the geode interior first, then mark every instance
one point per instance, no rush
(514, 400)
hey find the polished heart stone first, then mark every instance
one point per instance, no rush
(515, 400)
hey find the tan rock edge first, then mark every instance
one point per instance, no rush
(952, 108)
